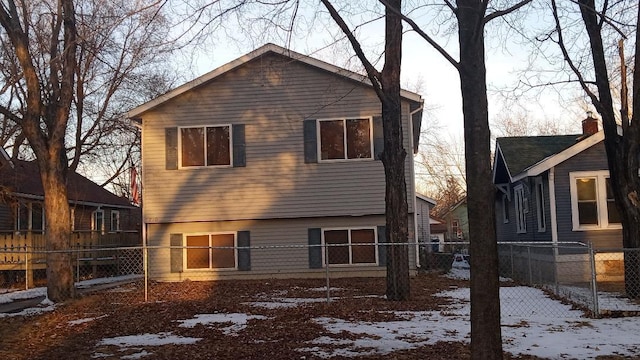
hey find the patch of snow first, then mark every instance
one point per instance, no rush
(286, 303)
(85, 320)
(238, 321)
(139, 355)
(526, 330)
(107, 280)
(22, 295)
(325, 289)
(165, 338)
(29, 312)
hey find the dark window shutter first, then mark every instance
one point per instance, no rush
(244, 255)
(378, 137)
(382, 247)
(176, 254)
(239, 155)
(315, 248)
(171, 148)
(310, 141)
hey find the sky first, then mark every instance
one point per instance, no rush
(423, 69)
(545, 327)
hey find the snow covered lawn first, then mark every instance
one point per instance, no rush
(285, 319)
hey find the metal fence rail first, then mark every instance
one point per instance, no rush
(590, 279)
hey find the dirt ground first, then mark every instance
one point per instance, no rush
(49, 335)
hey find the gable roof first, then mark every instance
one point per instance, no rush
(426, 198)
(414, 98)
(23, 180)
(522, 156)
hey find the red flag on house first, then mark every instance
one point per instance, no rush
(135, 196)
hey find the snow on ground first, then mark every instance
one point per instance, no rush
(526, 330)
(237, 321)
(8, 297)
(22, 295)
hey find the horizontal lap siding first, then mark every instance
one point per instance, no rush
(271, 97)
(592, 159)
(282, 248)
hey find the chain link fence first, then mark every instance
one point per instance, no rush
(591, 280)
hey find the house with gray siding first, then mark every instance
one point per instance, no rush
(555, 189)
(249, 170)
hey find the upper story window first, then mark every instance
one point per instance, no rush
(592, 203)
(351, 246)
(345, 139)
(521, 207)
(205, 146)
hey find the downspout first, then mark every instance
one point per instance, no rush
(413, 187)
(554, 225)
(552, 207)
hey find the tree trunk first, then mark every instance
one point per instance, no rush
(486, 340)
(60, 282)
(622, 151)
(393, 158)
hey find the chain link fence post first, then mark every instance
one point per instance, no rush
(326, 266)
(145, 270)
(529, 261)
(594, 280)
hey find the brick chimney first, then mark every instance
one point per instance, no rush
(589, 125)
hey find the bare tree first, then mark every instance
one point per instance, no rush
(46, 65)
(472, 16)
(386, 83)
(623, 146)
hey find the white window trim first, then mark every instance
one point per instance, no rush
(520, 206)
(205, 146)
(505, 209)
(344, 129)
(72, 212)
(117, 214)
(93, 221)
(349, 229)
(540, 205)
(235, 251)
(601, 201)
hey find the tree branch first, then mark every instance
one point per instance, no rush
(567, 58)
(372, 73)
(506, 11)
(424, 35)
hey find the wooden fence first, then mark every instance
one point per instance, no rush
(25, 250)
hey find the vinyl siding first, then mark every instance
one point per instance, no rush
(508, 231)
(279, 248)
(271, 96)
(422, 216)
(592, 159)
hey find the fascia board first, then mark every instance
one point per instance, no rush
(560, 157)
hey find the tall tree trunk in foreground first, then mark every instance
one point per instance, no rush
(486, 340)
(44, 118)
(622, 150)
(387, 86)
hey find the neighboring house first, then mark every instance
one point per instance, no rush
(274, 150)
(457, 222)
(95, 211)
(555, 189)
(424, 205)
(438, 228)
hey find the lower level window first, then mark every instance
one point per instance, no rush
(350, 246)
(211, 251)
